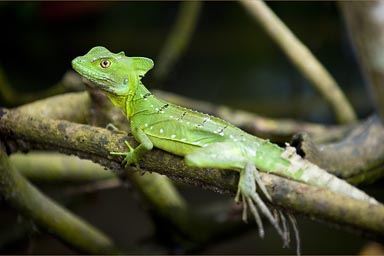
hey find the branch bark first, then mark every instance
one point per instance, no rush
(24, 132)
(358, 157)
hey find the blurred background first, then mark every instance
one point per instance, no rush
(229, 60)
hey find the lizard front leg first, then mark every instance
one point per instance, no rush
(134, 154)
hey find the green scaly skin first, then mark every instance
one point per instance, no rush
(204, 141)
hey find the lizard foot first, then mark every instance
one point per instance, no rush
(130, 157)
(111, 127)
(279, 214)
(250, 198)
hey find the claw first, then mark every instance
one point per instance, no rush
(245, 216)
(286, 232)
(257, 217)
(111, 127)
(296, 231)
(237, 197)
(267, 213)
(262, 186)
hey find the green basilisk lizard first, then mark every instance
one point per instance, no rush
(203, 140)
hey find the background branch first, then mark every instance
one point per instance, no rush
(303, 59)
(50, 167)
(47, 214)
(178, 39)
(365, 23)
(12, 97)
(362, 164)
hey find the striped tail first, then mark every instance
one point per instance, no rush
(304, 171)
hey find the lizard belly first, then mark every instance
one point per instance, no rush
(177, 147)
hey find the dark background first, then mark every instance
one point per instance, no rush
(230, 60)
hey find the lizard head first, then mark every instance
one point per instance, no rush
(112, 72)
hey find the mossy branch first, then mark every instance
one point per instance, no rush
(56, 220)
(22, 132)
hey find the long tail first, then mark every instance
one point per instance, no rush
(304, 171)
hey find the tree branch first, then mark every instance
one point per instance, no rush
(359, 156)
(178, 39)
(302, 58)
(366, 28)
(24, 132)
(49, 167)
(47, 214)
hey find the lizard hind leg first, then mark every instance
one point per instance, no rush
(249, 195)
(226, 155)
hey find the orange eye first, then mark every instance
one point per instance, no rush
(105, 63)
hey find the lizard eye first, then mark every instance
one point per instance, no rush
(105, 63)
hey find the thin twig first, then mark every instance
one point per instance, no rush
(304, 60)
(178, 39)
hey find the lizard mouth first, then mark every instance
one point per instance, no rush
(97, 79)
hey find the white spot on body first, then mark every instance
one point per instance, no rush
(173, 136)
(221, 134)
(206, 119)
(146, 125)
(161, 130)
(151, 127)
(157, 109)
(183, 139)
